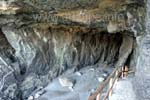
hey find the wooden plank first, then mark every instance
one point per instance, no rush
(110, 85)
(98, 96)
(110, 90)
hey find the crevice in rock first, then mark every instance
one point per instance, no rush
(5, 49)
(128, 61)
(125, 50)
(9, 84)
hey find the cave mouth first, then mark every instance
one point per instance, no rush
(100, 50)
(96, 50)
(94, 56)
(53, 55)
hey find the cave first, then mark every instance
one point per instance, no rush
(66, 49)
(44, 54)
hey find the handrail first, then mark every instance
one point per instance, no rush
(123, 72)
(111, 87)
(104, 84)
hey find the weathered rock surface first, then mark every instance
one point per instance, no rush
(84, 86)
(43, 39)
(49, 55)
(123, 90)
(142, 79)
(8, 82)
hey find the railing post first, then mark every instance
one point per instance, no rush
(98, 96)
(126, 71)
(110, 85)
(97, 93)
(122, 72)
(117, 73)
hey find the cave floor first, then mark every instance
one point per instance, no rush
(123, 90)
(85, 84)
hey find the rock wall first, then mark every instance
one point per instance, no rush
(46, 53)
(142, 80)
(8, 82)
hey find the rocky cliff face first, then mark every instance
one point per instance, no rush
(142, 79)
(42, 39)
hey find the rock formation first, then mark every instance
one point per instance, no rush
(41, 39)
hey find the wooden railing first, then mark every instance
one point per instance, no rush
(111, 79)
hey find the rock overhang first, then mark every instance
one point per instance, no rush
(108, 16)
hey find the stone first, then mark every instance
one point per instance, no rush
(39, 93)
(112, 27)
(65, 82)
(30, 98)
(30, 84)
(11, 91)
(37, 96)
(92, 69)
(105, 75)
(101, 79)
(78, 73)
(71, 88)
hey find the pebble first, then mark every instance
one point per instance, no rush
(105, 75)
(101, 79)
(37, 95)
(65, 82)
(31, 98)
(71, 89)
(91, 69)
(78, 73)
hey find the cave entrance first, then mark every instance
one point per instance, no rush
(99, 49)
(93, 54)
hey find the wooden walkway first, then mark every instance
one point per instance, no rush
(97, 93)
(123, 90)
(109, 83)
